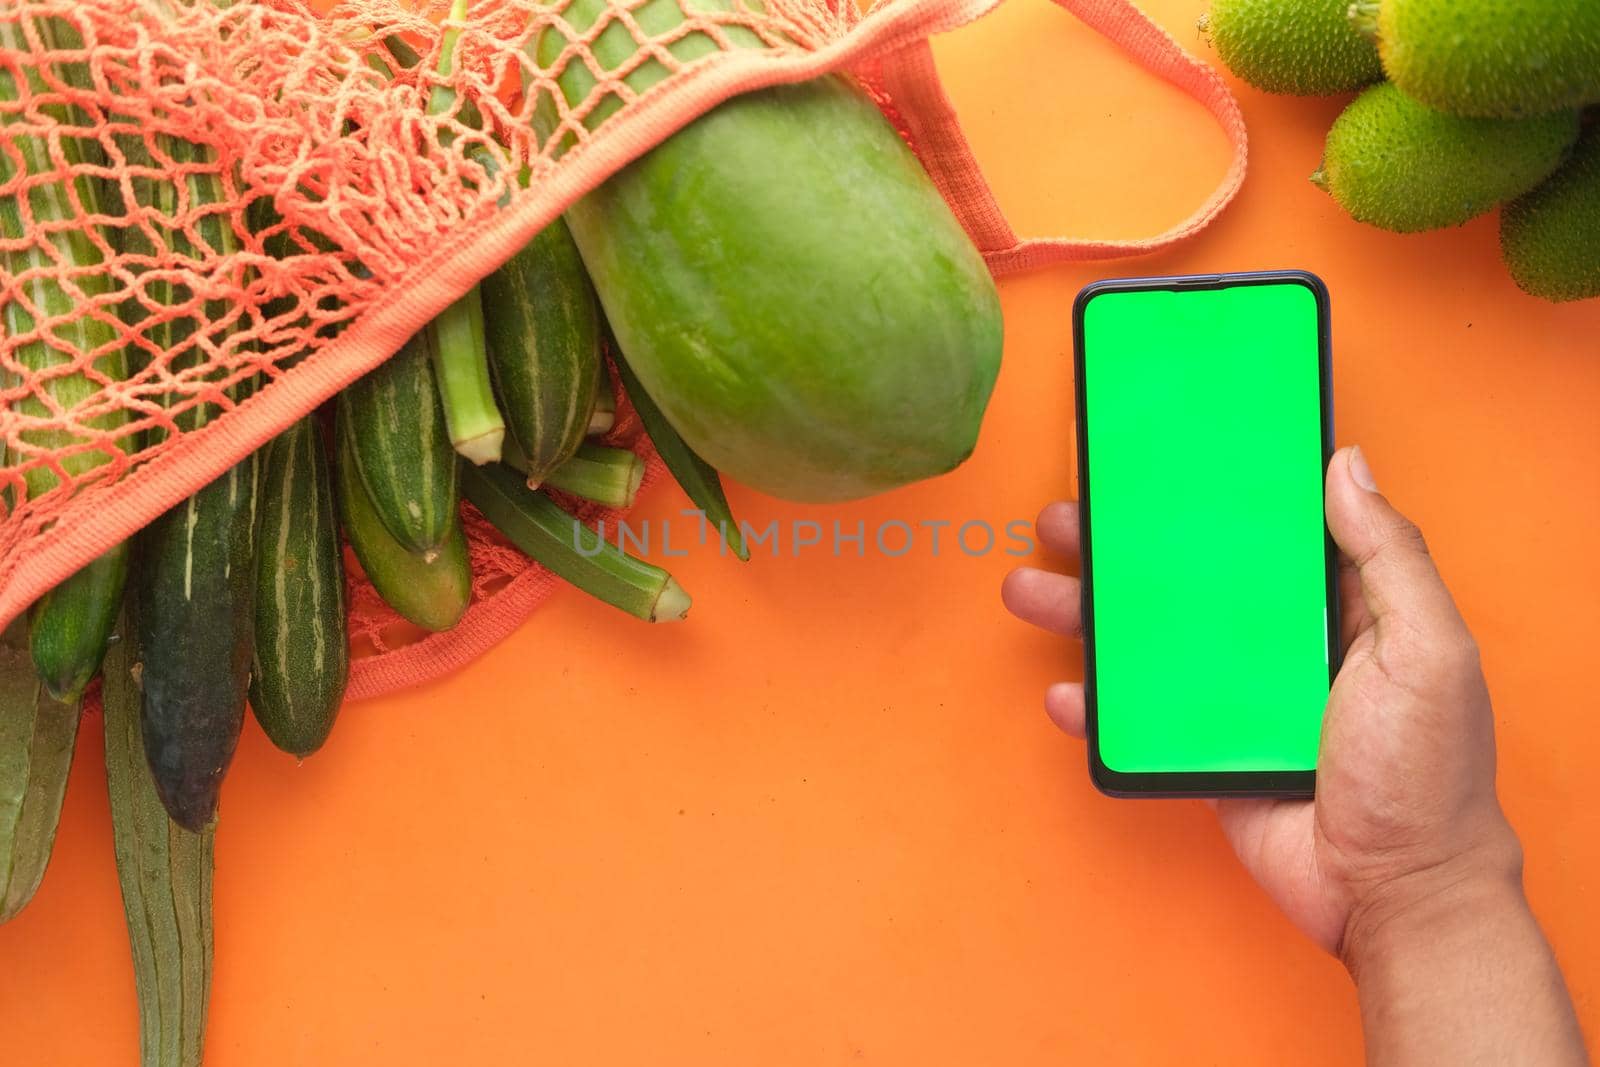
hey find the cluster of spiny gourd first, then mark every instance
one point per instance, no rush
(1464, 106)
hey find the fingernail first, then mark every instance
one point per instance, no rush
(1360, 473)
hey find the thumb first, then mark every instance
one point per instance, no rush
(1398, 579)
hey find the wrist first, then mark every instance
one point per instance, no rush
(1467, 896)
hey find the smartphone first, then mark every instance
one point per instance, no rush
(1210, 607)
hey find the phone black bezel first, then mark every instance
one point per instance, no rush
(1155, 784)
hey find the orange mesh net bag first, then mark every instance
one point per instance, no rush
(214, 216)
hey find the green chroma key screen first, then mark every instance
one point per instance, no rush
(1202, 425)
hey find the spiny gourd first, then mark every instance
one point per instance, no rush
(1304, 47)
(1394, 163)
(1550, 239)
(1490, 59)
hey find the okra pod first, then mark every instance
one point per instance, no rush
(609, 476)
(698, 479)
(569, 549)
(460, 351)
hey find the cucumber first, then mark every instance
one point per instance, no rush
(697, 478)
(37, 736)
(785, 279)
(193, 573)
(402, 446)
(432, 593)
(543, 330)
(570, 550)
(165, 872)
(193, 585)
(301, 661)
(72, 623)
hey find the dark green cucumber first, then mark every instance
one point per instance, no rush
(302, 649)
(37, 736)
(569, 549)
(697, 478)
(432, 593)
(543, 331)
(165, 871)
(402, 446)
(786, 280)
(194, 582)
(194, 567)
(72, 623)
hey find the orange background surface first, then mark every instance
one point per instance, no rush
(826, 821)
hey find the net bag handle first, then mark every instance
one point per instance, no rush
(910, 80)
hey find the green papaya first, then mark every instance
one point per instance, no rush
(786, 281)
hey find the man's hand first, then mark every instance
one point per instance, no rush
(1405, 833)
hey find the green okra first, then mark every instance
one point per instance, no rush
(569, 549)
(698, 479)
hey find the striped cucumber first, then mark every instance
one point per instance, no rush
(194, 575)
(302, 651)
(543, 331)
(432, 592)
(783, 275)
(697, 478)
(37, 735)
(402, 446)
(569, 549)
(165, 871)
(193, 584)
(71, 623)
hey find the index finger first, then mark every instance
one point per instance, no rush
(1057, 526)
